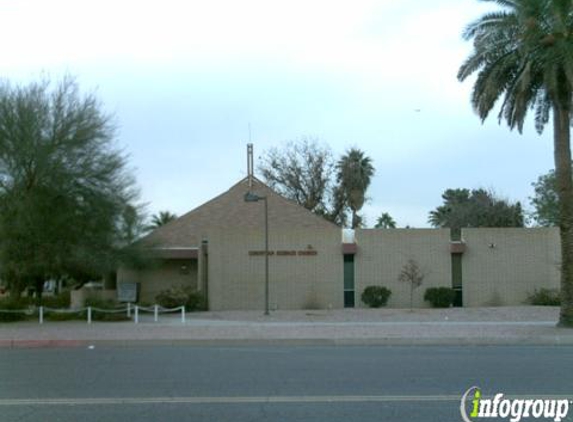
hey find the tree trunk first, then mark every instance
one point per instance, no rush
(39, 284)
(561, 129)
(411, 297)
(355, 220)
(110, 281)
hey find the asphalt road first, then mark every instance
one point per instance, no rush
(160, 383)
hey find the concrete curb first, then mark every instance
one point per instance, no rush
(390, 341)
(35, 344)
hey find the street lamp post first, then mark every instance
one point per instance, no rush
(253, 197)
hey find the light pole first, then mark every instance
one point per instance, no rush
(253, 197)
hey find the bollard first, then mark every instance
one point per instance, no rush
(136, 315)
(183, 314)
(41, 314)
(155, 313)
(89, 314)
(128, 309)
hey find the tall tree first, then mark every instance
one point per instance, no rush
(65, 190)
(475, 208)
(385, 221)
(300, 171)
(545, 200)
(524, 54)
(354, 174)
(161, 218)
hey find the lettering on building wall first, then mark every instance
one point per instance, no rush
(309, 252)
(286, 253)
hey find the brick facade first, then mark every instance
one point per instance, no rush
(223, 242)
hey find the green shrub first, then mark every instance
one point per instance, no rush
(172, 297)
(96, 302)
(545, 297)
(13, 304)
(175, 297)
(66, 316)
(375, 296)
(196, 302)
(440, 297)
(105, 304)
(60, 301)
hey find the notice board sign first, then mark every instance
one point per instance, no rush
(127, 292)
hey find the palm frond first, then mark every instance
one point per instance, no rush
(523, 54)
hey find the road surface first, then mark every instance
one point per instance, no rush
(156, 383)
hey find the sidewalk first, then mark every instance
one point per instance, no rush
(455, 326)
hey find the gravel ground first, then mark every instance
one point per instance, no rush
(501, 314)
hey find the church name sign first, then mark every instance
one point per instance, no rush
(308, 252)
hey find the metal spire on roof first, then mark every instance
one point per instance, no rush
(250, 163)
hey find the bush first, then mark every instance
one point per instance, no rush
(175, 297)
(67, 316)
(96, 302)
(13, 304)
(172, 297)
(440, 297)
(105, 304)
(195, 301)
(545, 297)
(60, 301)
(375, 296)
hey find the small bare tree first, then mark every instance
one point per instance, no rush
(414, 276)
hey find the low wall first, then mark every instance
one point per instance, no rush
(160, 276)
(78, 297)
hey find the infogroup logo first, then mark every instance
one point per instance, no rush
(474, 407)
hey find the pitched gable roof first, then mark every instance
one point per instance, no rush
(229, 210)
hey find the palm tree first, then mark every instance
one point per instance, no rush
(354, 173)
(524, 55)
(385, 221)
(161, 218)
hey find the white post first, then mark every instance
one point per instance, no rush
(155, 313)
(128, 309)
(183, 314)
(136, 316)
(41, 314)
(89, 314)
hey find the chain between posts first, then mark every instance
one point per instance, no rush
(156, 309)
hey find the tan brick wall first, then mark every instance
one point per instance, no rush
(502, 266)
(236, 279)
(383, 252)
(159, 277)
(520, 261)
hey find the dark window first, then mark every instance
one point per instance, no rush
(349, 281)
(458, 298)
(349, 299)
(457, 278)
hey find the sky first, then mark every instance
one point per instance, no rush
(186, 79)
